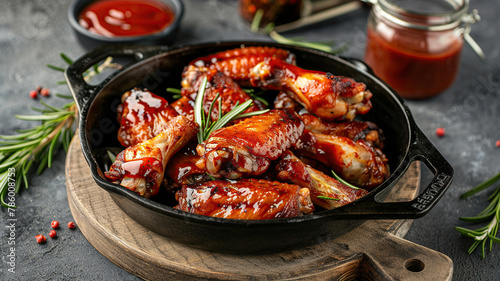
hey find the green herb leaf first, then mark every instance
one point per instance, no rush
(57, 68)
(66, 58)
(204, 120)
(341, 180)
(174, 91)
(481, 186)
(327, 198)
(491, 213)
(257, 18)
(199, 113)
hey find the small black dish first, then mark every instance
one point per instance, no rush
(92, 40)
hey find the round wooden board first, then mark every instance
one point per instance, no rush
(373, 251)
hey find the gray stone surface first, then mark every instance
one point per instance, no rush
(32, 33)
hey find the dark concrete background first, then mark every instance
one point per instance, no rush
(32, 33)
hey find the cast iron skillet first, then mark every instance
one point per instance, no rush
(157, 67)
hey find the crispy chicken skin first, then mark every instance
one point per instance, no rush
(283, 100)
(230, 93)
(192, 77)
(182, 167)
(247, 148)
(141, 167)
(355, 161)
(328, 96)
(352, 129)
(185, 107)
(237, 63)
(248, 199)
(291, 169)
(142, 115)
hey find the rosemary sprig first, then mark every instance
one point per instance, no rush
(269, 30)
(491, 213)
(327, 198)
(37, 146)
(341, 180)
(89, 73)
(204, 121)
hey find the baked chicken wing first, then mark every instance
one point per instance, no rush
(355, 130)
(182, 167)
(237, 63)
(355, 161)
(141, 167)
(142, 115)
(248, 199)
(218, 84)
(328, 96)
(326, 191)
(247, 148)
(184, 106)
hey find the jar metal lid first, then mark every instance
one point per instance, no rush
(427, 15)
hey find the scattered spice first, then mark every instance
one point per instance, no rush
(497, 143)
(40, 239)
(45, 92)
(71, 224)
(53, 234)
(54, 224)
(33, 94)
(440, 132)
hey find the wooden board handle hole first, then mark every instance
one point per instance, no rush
(414, 265)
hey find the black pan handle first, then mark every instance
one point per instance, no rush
(423, 150)
(84, 92)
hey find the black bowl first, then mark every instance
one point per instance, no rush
(158, 67)
(92, 40)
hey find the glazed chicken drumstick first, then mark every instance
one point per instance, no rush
(142, 115)
(249, 199)
(247, 148)
(141, 167)
(328, 96)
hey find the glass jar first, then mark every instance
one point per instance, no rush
(415, 45)
(274, 11)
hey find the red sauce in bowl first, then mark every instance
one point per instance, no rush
(115, 18)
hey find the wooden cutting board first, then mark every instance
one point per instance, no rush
(373, 251)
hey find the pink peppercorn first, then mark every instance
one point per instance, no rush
(40, 239)
(33, 94)
(54, 224)
(45, 92)
(440, 132)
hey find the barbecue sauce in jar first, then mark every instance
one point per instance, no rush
(115, 18)
(415, 45)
